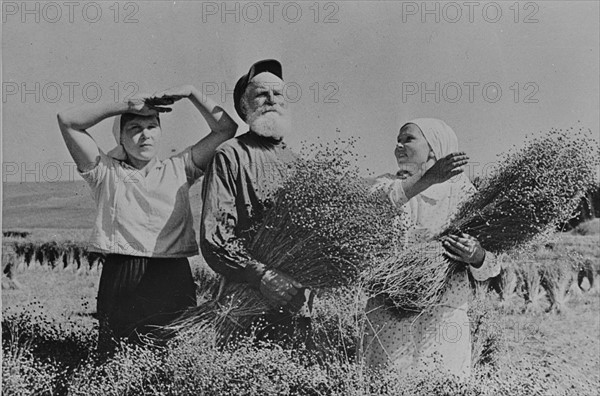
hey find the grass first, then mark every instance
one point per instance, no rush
(521, 362)
(49, 332)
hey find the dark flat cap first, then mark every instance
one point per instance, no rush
(266, 65)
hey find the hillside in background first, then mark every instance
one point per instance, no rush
(58, 205)
(70, 206)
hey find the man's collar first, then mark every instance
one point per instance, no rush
(270, 140)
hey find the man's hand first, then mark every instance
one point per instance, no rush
(277, 288)
(446, 168)
(464, 248)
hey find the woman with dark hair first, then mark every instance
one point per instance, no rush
(144, 223)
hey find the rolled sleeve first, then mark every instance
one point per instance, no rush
(392, 187)
(96, 175)
(489, 269)
(192, 172)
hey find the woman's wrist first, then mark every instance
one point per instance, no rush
(132, 105)
(217, 118)
(422, 184)
(197, 96)
(428, 180)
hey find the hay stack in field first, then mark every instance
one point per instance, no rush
(55, 254)
(534, 189)
(9, 265)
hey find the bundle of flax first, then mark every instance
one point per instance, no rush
(321, 228)
(533, 190)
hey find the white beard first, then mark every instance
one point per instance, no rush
(273, 124)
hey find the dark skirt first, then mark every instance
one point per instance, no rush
(137, 295)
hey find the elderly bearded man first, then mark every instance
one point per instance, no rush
(244, 173)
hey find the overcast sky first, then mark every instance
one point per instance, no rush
(494, 71)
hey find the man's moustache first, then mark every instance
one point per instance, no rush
(270, 109)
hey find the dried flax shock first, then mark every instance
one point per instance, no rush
(322, 228)
(535, 189)
(415, 279)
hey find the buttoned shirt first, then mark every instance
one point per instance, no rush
(244, 173)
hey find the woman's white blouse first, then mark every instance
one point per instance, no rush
(144, 215)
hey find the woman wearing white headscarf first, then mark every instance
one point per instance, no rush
(428, 187)
(144, 223)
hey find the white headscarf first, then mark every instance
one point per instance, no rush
(119, 151)
(433, 207)
(439, 135)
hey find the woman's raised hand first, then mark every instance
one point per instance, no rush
(446, 168)
(148, 104)
(174, 94)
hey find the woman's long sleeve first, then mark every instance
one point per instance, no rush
(489, 269)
